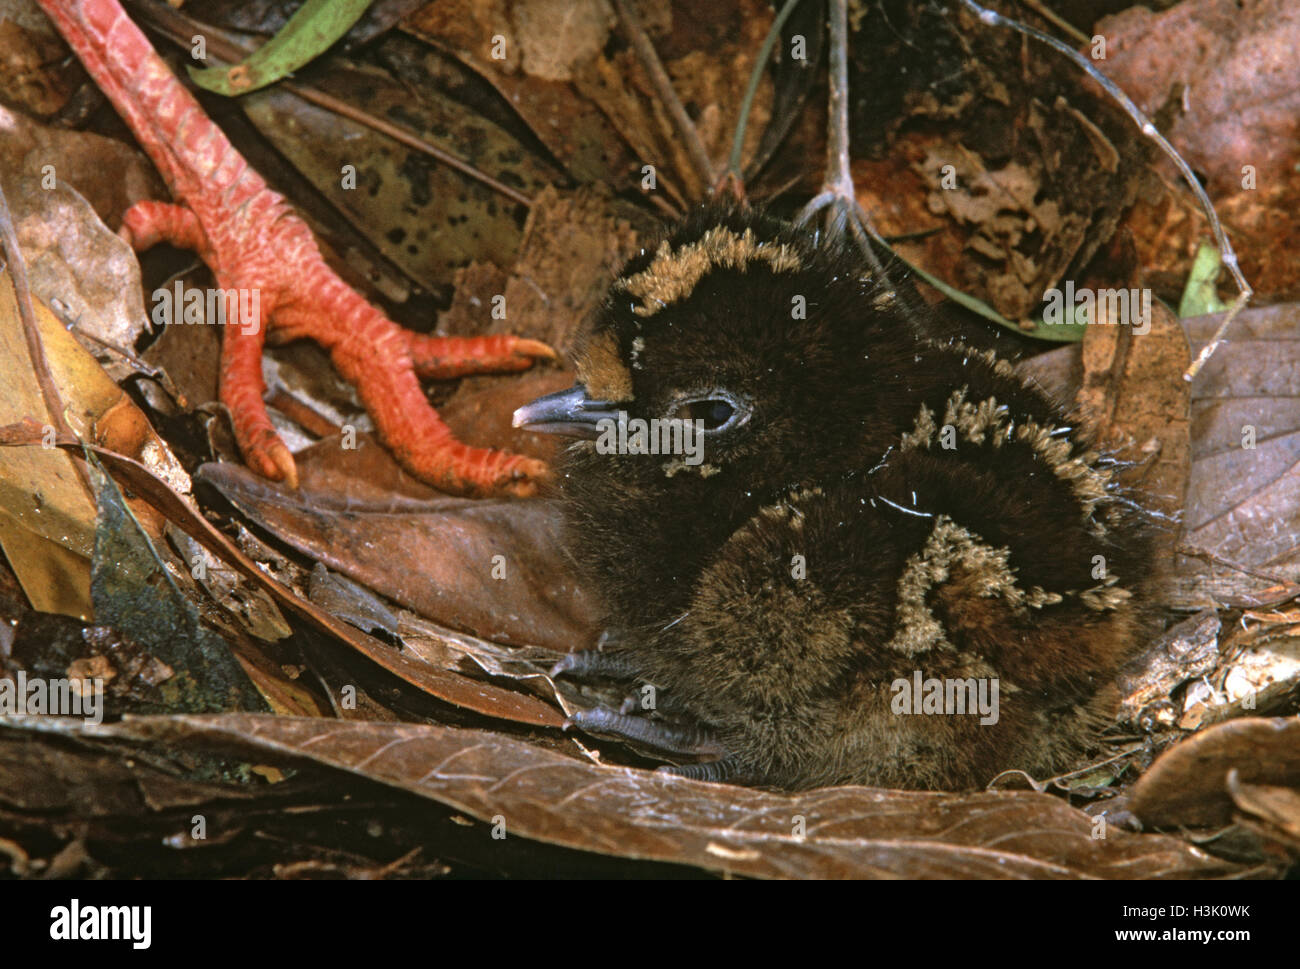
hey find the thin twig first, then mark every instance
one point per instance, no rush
(755, 77)
(1237, 306)
(1061, 24)
(32, 334)
(1229, 257)
(645, 53)
(837, 100)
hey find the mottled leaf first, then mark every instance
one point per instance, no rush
(424, 215)
(133, 592)
(572, 128)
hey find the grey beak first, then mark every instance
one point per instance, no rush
(569, 412)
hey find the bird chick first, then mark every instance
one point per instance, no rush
(868, 511)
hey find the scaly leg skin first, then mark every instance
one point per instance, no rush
(240, 382)
(254, 243)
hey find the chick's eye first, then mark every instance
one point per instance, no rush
(714, 412)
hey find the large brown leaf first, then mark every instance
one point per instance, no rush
(839, 832)
(1242, 511)
(492, 568)
(572, 129)
(1189, 785)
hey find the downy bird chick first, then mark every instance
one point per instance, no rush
(871, 512)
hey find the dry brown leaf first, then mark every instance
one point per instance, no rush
(491, 568)
(1023, 171)
(572, 128)
(844, 832)
(24, 56)
(1188, 784)
(73, 258)
(574, 244)
(1243, 502)
(47, 515)
(107, 173)
(1235, 61)
(1275, 810)
(1242, 507)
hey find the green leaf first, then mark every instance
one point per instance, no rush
(309, 33)
(1199, 295)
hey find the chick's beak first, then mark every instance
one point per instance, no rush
(569, 412)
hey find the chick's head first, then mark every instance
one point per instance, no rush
(762, 340)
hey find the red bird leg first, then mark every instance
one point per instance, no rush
(255, 245)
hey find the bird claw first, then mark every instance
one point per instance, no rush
(723, 771)
(475, 472)
(522, 477)
(445, 357)
(693, 741)
(532, 349)
(275, 462)
(586, 663)
(843, 211)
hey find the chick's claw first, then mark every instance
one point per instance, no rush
(692, 741)
(724, 771)
(586, 663)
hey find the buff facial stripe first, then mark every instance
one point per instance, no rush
(673, 274)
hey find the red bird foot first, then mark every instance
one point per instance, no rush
(255, 245)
